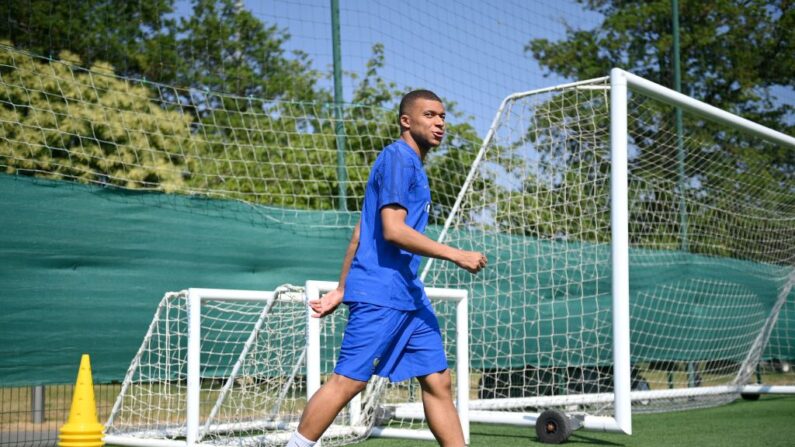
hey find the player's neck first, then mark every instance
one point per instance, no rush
(422, 152)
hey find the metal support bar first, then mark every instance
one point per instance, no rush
(37, 404)
(620, 248)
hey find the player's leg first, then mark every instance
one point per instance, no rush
(369, 333)
(420, 353)
(326, 403)
(440, 413)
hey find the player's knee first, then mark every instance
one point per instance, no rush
(350, 387)
(437, 384)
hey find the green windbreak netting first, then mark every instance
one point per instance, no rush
(567, 301)
(84, 267)
(682, 305)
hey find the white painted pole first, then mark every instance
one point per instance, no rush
(769, 389)
(314, 289)
(194, 367)
(312, 342)
(620, 248)
(462, 364)
(355, 410)
(132, 441)
(401, 433)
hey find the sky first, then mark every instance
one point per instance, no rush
(470, 52)
(467, 51)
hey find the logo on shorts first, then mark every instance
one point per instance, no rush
(376, 361)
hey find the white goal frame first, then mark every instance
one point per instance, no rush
(490, 411)
(313, 290)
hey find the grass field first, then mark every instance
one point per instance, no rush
(768, 422)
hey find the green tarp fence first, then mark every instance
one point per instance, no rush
(83, 269)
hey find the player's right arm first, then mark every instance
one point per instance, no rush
(328, 303)
(393, 218)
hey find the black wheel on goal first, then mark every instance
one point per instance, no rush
(750, 396)
(553, 427)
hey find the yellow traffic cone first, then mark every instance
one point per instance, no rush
(83, 428)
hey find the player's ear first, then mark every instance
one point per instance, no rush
(405, 121)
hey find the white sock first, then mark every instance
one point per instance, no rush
(297, 440)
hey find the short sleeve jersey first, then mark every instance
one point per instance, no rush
(382, 273)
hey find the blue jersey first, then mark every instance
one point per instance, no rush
(382, 273)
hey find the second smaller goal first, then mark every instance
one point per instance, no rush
(236, 367)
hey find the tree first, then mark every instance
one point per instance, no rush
(733, 55)
(264, 130)
(224, 48)
(221, 47)
(134, 37)
(731, 50)
(375, 101)
(61, 121)
(285, 151)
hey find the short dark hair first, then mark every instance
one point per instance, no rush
(410, 97)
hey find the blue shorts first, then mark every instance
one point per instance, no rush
(390, 343)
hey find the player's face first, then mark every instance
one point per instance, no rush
(426, 122)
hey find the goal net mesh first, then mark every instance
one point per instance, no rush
(253, 375)
(711, 255)
(64, 121)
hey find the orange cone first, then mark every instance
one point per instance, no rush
(82, 429)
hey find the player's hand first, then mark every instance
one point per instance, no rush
(327, 303)
(471, 261)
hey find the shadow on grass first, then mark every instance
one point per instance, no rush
(576, 438)
(491, 434)
(579, 438)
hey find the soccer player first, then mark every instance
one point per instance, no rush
(392, 330)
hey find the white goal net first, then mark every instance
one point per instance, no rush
(245, 385)
(231, 367)
(709, 228)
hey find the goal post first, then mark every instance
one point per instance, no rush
(776, 139)
(632, 268)
(236, 367)
(199, 354)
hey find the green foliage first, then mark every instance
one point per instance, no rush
(554, 163)
(61, 121)
(221, 47)
(732, 53)
(221, 86)
(731, 57)
(134, 37)
(224, 48)
(276, 153)
(447, 166)
(289, 148)
(730, 49)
